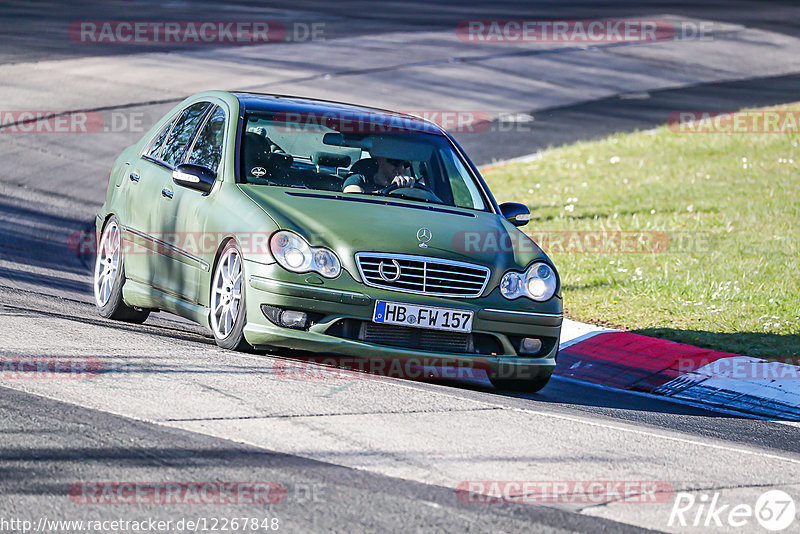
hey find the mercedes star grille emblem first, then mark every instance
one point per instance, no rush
(382, 271)
(423, 236)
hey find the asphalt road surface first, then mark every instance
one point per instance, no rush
(352, 452)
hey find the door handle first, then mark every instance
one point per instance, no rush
(166, 193)
(134, 176)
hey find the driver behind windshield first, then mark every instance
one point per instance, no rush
(382, 173)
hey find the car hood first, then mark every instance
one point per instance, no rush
(358, 223)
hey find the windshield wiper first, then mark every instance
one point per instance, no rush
(293, 186)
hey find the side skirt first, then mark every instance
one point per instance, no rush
(135, 293)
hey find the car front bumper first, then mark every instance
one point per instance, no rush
(333, 301)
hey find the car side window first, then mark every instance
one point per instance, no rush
(465, 193)
(207, 149)
(178, 139)
(155, 148)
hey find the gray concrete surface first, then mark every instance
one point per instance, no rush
(171, 406)
(76, 444)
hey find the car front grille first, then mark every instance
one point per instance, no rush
(416, 338)
(427, 276)
(401, 336)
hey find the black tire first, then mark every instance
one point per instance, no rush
(522, 385)
(234, 339)
(114, 307)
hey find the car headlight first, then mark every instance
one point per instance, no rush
(326, 263)
(538, 283)
(294, 254)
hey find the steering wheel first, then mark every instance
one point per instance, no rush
(428, 193)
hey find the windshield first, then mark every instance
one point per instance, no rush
(333, 153)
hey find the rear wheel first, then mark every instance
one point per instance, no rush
(228, 315)
(109, 277)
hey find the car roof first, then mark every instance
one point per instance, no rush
(310, 106)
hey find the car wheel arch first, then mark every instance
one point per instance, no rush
(222, 244)
(106, 219)
(217, 255)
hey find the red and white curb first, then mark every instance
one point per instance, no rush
(681, 372)
(729, 382)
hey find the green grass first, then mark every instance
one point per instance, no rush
(730, 278)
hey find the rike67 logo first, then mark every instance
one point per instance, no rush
(774, 510)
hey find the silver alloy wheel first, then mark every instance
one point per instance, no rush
(107, 263)
(226, 293)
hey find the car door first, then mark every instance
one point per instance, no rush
(155, 180)
(143, 188)
(184, 213)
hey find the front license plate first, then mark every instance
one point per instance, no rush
(423, 316)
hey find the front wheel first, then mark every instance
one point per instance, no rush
(109, 277)
(228, 315)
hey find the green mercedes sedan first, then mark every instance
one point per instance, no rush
(289, 223)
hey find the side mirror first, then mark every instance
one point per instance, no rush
(333, 139)
(194, 177)
(516, 213)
